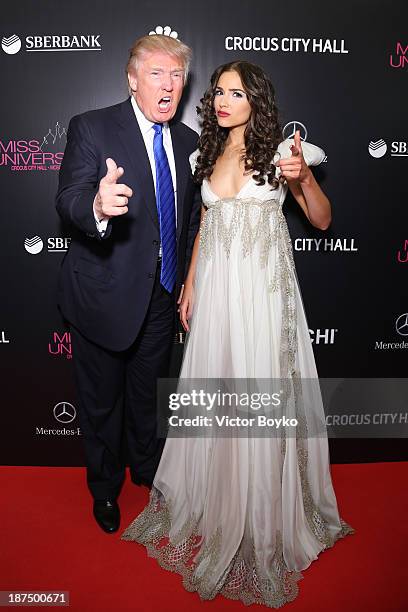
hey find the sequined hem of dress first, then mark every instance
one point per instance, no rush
(185, 555)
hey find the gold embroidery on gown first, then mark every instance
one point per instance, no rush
(250, 229)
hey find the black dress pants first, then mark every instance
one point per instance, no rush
(117, 398)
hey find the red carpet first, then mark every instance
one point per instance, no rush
(49, 541)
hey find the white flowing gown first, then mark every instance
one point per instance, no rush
(243, 516)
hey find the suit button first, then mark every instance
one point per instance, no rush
(155, 242)
(150, 275)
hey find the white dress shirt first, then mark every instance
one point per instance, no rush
(146, 128)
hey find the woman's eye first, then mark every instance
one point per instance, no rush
(237, 94)
(218, 92)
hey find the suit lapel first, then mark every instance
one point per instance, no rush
(182, 169)
(132, 140)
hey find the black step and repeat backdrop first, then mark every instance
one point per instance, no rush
(340, 72)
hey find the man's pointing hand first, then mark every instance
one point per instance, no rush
(112, 197)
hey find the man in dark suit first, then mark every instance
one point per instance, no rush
(130, 250)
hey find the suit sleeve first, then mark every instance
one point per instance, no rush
(193, 227)
(78, 180)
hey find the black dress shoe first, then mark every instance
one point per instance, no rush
(107, 515)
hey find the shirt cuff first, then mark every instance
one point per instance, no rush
(101, 224)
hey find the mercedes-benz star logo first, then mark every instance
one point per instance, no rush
(64, 412)
(401, 324)
(290, 129)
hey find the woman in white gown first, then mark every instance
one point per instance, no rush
(242, 516)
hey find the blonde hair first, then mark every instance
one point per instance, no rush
(159, 42)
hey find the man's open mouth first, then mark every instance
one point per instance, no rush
(164, 103)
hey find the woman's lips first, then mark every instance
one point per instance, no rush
(223, 114)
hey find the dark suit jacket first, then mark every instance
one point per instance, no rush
(106, 283)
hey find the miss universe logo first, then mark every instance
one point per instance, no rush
(399, 59)
(60, 345)
(402, 254)
(27, 155)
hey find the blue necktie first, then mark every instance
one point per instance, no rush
(166, 211)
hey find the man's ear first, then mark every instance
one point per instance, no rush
(132, 81)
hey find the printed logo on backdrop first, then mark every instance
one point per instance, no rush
(179, 337)
(402, 255)
(11, 45)
(51, 42)
(46, 153)
(55, 244)
(323, 336)
(401, 328)
(166, 31)
(285, 44)
(317, 336)
(401, 324)
(399, 59)
(365, 407)
(52, 137)
(329, 245)
(290, 129)
(33, 245)
(3, 338)
(64, 413)
(60, 344)
(378, 148)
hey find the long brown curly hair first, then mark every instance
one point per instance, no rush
(262, 134)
